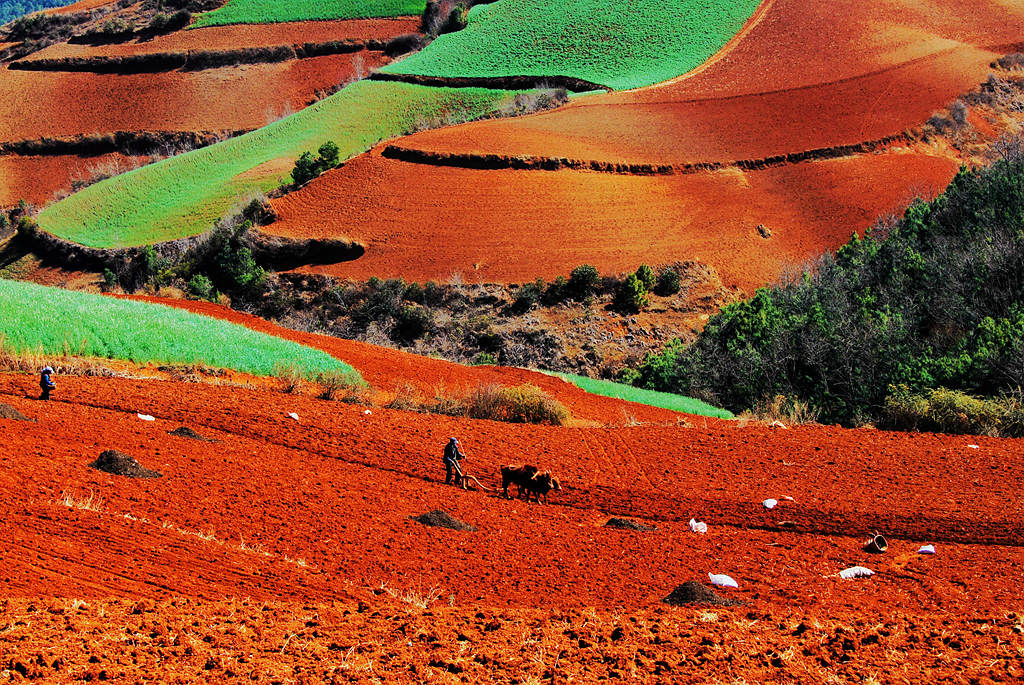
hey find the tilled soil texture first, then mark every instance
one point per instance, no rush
(385, 640)
(241, 36)
(515, 225)
(389, 370)
(186, 432)
(227, 98)
(39, 179)
(336, 490)
(9, 412)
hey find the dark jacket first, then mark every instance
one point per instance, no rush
(45, 383)
(452, 453)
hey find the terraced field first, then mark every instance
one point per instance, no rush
(37, 178)
(273, 11)
(602, 43)
(38, 320)
(184, 195)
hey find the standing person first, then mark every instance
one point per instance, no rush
(46, 384)
(452, 455)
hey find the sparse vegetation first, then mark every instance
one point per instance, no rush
(664, 400)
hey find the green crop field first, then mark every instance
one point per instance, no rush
(619, 45)
(186, 194)
(42, 320)
(664, 400)
(274, 11)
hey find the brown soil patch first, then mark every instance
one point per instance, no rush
(186, 432)
(40, 179)
(694, 592)
(442, 519)
(498, 226)
(120, 464)
(9, 412)
(628, 524)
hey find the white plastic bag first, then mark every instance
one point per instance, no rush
(855, 572)
(293, 415)
(927, 549)
(722, 580)
(146, 417)
(777, 424)
(366, 411)
(698, 526)
(770, 503)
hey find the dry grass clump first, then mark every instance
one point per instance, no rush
(335, 385)
(289, 375)
(952, 411)
(791, 411)
(519, 404)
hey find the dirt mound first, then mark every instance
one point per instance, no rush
(627, 524)
(120, 464)
(442, 519)
(186, 432)
(9, 412)
(693, 592)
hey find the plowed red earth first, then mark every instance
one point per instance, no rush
(426, 222)
(231, 98)
(313, 516)
(242, 36)
(880, 67)
(37, 179)
(387, 369)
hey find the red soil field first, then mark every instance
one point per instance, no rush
(230, 98)
(880, 67)
(662, 126)
(80, 6)
(387, 369)
(242, 36)
(425, 222)
(36, 179)
(313, 516)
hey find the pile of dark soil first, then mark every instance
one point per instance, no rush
(121, 464)
(186, 432)
(9, 412)
(627, 524)
(442, 519)
(693, 592)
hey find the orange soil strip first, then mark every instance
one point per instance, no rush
(425, 222)
(387, 369)
(80, 6)
(38, 179)
(661, 127)
(214, 99)
(336, 489)
(242, 36)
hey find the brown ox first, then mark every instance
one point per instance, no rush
(540, 485)
(518, 475)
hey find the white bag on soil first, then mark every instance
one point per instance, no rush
(722, 580)
(698, 526)
(927, 549)
(855, 572)
(770, 503)
(146, 417)
(293, 415)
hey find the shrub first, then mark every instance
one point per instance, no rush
(411, 323)
(485, 359)
(631, 295)
(240, 269)
(308, 167)
(669, 282)
(528, 295)
(557, 290)
(646, 276)
(200, 287)
(339, 385)
(951, 411)
(289, 375)
(521, 404)
(787, 409)
(583, 281)
(110, 280)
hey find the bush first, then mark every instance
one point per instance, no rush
(289, 375)
(528, 295)
(951, 411)
(631, 295)
(338, 385)
(669, 282)
(411, 323)
(521, 404)
(583, 281)
(240, 269)
(201, 288)
(646, 276)
(308, 167)
(485, 359)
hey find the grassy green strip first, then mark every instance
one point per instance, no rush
(38, 319)
(184, 195)
(663, 400)
(619, 45)
(274, 11)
